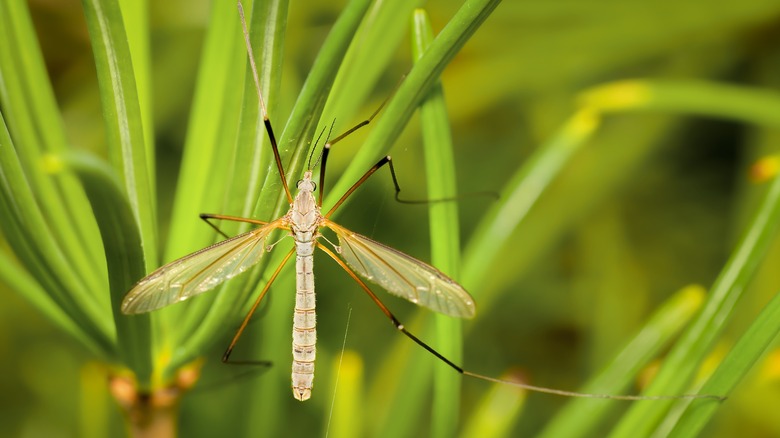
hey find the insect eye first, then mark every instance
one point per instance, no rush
(300, 181)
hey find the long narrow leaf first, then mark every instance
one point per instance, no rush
(124, 255)
(24, 226)
(122, 116)
(693, 346)
(444, 229)
(741, 359)
(30, 110)
(582, 416)
(425, 72)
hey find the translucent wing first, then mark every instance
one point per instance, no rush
(198, 272)
(403, 275)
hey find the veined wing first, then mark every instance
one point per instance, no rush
(198, 272)
(403, 275)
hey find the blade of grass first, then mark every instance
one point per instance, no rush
(518, 197)
(136, 21)
(734, 367)
(444, 231)
(33, 119)
(211, 132)
(122, 116)
(16, 277)
(693, 346)
(422, 76)
(250, 178)
(396, 114)
(374, 45)
(302, 125)
(582, 416)
(124, 255)
(751, 105)
(28, 234)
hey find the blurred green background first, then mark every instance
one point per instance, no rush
(653, 203)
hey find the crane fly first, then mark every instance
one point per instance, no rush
(393, 270)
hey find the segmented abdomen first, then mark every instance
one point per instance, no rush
(304, 323)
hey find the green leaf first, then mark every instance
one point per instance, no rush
(750, 105)
(758, 338)
(34, 124)
(122, 243)
(695, 343)
(517, 198)
(369, 56)
(444, 230)
(122, 116)
(29, 235)
(419, 80)
(582, 416)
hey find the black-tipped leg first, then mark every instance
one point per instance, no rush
(400, 327)
(248, 316)
(206, 217)
(397, 324)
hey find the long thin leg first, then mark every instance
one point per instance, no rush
(385, 160)
(261, 104)
(325, 152)
(400, 327)
(248, 316)
(363, 179)
(207, 216)
(397, 324)
(377, 166)
(361, 124)
(326, 148)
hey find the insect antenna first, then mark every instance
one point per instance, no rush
(311, 166)
(326, 149)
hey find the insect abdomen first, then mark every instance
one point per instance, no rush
(304, 327)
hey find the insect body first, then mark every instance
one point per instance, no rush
(304, 219)
(395, 271)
